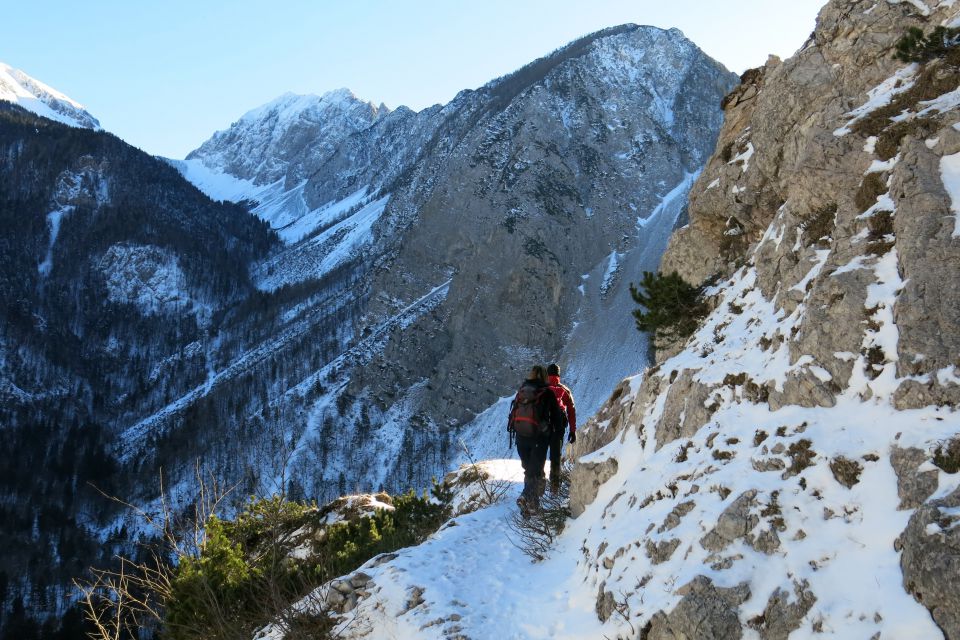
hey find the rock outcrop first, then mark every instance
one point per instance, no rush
(811, 398)
(705, 613)
(931, 560)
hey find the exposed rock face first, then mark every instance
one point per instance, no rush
(787, 168)
(470, 228)
(825, 229)
(286, 139)
(705, 613)
(735, 522)
(784, 612)
(688, 409)
(913, 486)
(535, 180)
(931, 560)
(586, 479)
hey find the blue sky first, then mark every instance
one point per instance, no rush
(164, 75)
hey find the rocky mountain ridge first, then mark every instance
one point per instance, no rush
(795, 435)
(493, 211)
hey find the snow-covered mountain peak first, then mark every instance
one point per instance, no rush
(275, 140)
(289, 106)
(31, 94)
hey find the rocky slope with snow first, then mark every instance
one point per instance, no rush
(787, 470)
(146, 328)
(33, 95)
(485, 234)
(779, 465)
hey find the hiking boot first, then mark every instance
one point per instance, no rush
(527, 507)
(522, 505)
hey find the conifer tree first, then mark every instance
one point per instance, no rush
(669, 304)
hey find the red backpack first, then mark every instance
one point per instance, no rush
(562, 395)
(525, 419)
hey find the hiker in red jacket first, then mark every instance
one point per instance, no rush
(534, 416)
(565, 400)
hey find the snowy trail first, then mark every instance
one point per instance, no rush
(477, 584)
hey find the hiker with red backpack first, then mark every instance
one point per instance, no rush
(565, 400)
(534, 416)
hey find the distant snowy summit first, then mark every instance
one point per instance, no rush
(292, 129)
(31, 94)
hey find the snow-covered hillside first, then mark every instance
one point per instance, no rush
(789, 470)
(20, 89)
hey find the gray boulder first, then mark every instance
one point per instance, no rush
(783, 613)
(705, 612)
(930, 560)
(912, 487)
(736, 521)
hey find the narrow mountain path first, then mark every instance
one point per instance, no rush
(471, 581)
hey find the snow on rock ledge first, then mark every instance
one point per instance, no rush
(145, 276)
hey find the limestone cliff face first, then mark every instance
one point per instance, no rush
(798, 189)
(828, 217)
(530, 182)
(288, 138)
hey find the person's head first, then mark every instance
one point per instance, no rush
(538, 373)
(553, 369)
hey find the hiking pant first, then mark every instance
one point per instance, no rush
(556, 455)
(533, 455)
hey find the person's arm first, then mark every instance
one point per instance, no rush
(571, 415)
(571, 410)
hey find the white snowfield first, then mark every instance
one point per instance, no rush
(31, 94)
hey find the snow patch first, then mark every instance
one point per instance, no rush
(950, 175)
(881, 95)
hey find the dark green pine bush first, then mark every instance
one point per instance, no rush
(947, 455)
(914, 46)
(669, 305)
(243, 576)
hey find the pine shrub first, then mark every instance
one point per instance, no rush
(244, 576)
(947, 455)
(671, 306)
(915, 46)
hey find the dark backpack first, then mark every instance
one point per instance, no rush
(526, 419)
